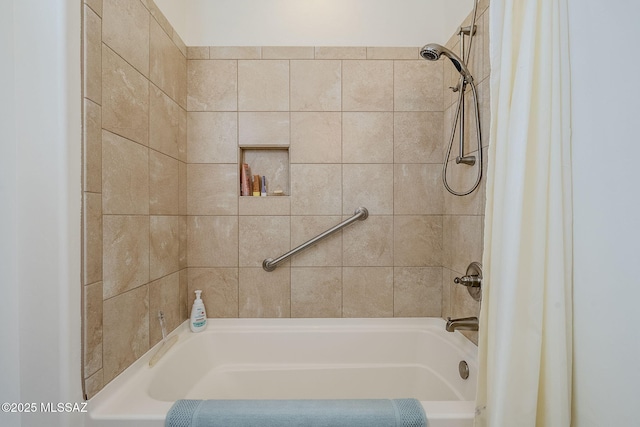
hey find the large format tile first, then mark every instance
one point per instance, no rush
(212, 85)
(125, 29)
(125, 176)
(367, 292)
(125, 252)
(367, 85)
(125, 330)
(125, 98)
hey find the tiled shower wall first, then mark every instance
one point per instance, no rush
(463, 219)
(362, 127)
(165, 127)
(134, 183)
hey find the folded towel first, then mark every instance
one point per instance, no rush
(297, 413)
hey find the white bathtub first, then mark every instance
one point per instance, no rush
(298, 359)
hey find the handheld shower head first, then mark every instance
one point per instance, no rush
(433, 51)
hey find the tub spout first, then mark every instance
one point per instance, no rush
(462, 324)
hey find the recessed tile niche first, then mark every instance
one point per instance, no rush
(271, 163)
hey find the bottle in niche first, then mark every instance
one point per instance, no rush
(198, 320)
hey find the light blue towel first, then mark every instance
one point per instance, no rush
(297, 413)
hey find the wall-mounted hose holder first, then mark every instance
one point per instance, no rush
(472, 280)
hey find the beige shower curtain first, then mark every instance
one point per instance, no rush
(525, 343)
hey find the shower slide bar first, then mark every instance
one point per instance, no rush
(360, 214)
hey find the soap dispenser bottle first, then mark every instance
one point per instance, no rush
(198, 321)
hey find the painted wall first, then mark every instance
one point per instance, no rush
(9, 329)
(606, 233)
(314, 22)
(40, 207)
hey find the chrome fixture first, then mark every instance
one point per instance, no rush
(463, 369)
(472, 280)
(270, 264)
(462, 324)
(433, 52)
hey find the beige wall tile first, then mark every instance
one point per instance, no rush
(92, 238)
(265, 294)
(462, 241)
(212, 85)
(182, 255)
(367, 137)
(316, 137)
(417, 292)
(179, 43)
(326, 253)
(462, 179)
(125, 98)
(125, 176)
(182, 185)
(212, 241)
(369, 242)
(164, 295)
(212, 189)
(213, 137)
(197, 52)
(235, 52)
(164, 185)
(167, 125)
(476, 58)
(125, 29)
(367, 292)
(417, 240)
(418, 189)
(484, 101)
(263, 237)
(219, 288)
(92, 55)
(266, 129)
(287, 52)
(316, 189)
(418, 85)
(94, 384)
(316, 85)
(370, 186)
(316, 292)
(269, 206)
(263, 85)
(418, 137)
(168, 65)
(159, 17)
(96, 5)
(125, 330)
(92, 151)
(125, 252)
(340, 52)
(164, 246)
(92, 338)
(447, 284)
(184, 310)
(367, 85)
(486, 64)
(393, 53)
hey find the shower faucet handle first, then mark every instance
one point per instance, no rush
(472, 281)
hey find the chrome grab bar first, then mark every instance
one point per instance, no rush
(270, 264)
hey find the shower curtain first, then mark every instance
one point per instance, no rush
(525, 342)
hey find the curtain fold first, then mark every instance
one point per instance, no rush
(525, 341)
